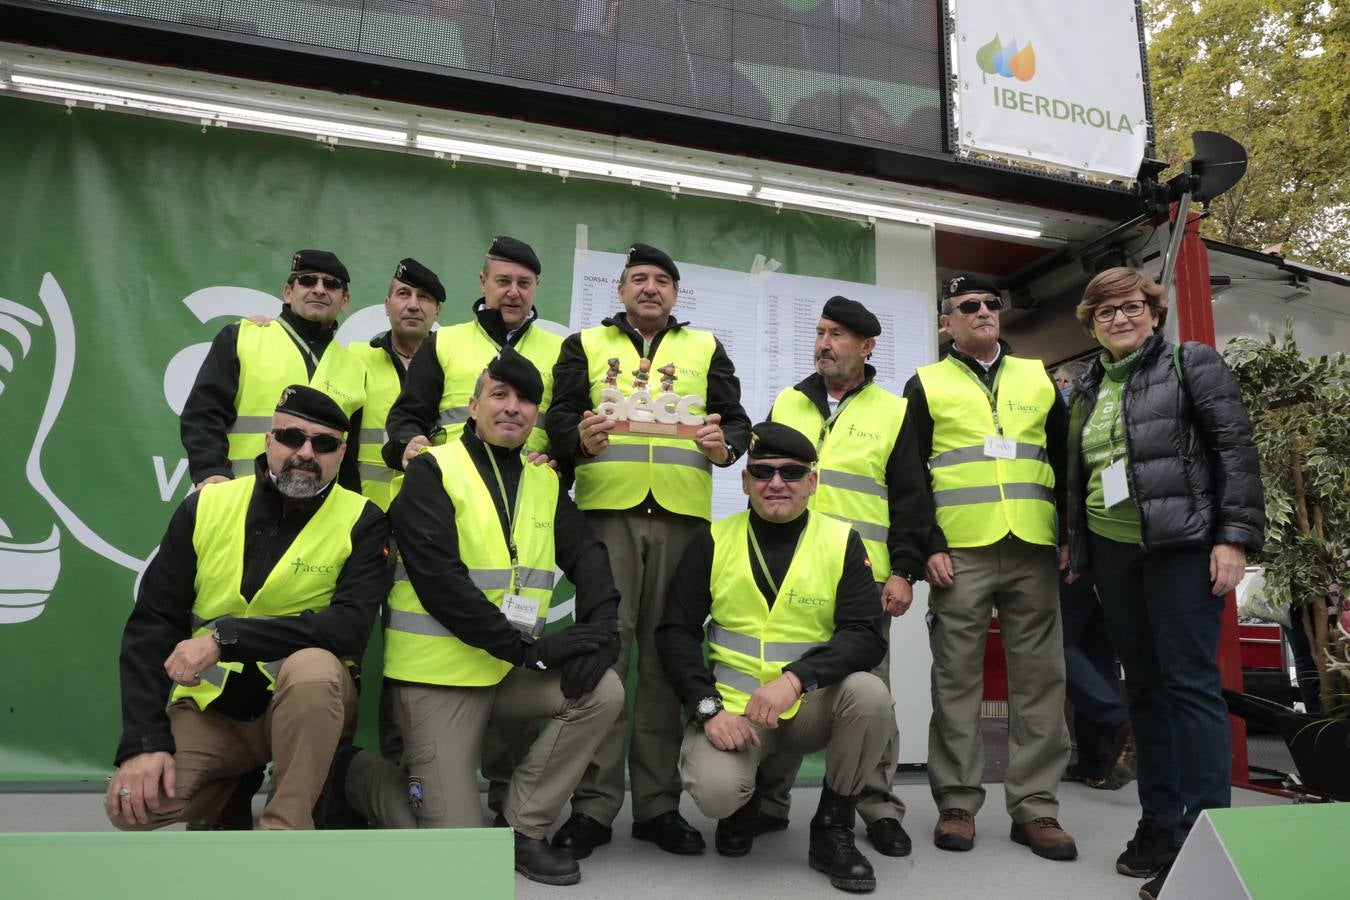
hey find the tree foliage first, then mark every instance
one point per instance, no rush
(1300, 409)
(1274, 75)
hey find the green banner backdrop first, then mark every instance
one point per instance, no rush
(129, 242)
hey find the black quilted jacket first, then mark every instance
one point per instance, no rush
(1193, 469)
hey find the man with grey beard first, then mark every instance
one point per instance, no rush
(240, 648)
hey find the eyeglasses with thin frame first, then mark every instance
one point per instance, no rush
(790, 473)
(295, 439)
(309, 279)
(1132, 309)
(972, 306)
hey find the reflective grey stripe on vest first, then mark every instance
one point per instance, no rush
(491, 579)
(849, 482)
(424, 624)
(375, 472)
(733, 640)
(868, 531)
(416, 623)
(976, 454)
(774, 651)
(971, 495)
(455, 415)
(241, 467)
(733, 678)
(250, 425)
(214, 675)
(199, 622)
(669, 456)
(536, 578)
(273, 668)
(400, 572)
(374, 436)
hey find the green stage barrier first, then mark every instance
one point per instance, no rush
(1264, 853)
(227, 865)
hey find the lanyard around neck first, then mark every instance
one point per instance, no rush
(990, 393)
(299, 342)
(759, 557)
(509, 530)
(838, 411)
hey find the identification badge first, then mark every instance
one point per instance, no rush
(996, 447)
(521, 612)
(1115, 487)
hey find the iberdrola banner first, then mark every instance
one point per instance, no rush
(1055, 82)
(129, 242)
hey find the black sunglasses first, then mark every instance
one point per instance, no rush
(295, 439)
(789, 473)
(971, 307)
(309, 279)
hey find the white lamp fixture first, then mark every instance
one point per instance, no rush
(217, 101)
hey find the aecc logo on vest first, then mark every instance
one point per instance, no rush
(300, 567)
(802, 600)
(1022, 407)
(864, 435)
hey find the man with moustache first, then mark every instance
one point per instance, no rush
(869, 477)
(412, 305)
(992, 429)
(436, 393)
(793, 626)
(229, 407)
(645, 498)
(261, 590)
(480, 531)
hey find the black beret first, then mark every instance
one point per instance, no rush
(513, 369)
(512, 250)
(412, 272)
(968, 284)
(647, 255)
(775, 439)
(319, 261)
(852, 315)
(314, 406)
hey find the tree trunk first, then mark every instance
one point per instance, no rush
(1315, 612)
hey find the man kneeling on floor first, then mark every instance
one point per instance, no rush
(260, 591)
(795, 628)
(479, 530)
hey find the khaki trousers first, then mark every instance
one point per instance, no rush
(851, 720)
(315, 700)
(779, 771)
(1021, 580)
(443, 730)
(644, 550)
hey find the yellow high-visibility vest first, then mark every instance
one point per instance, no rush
(980, 498)
(269, 361)
(417, 647)
(382, 389)
(464, 350)
(852, 460)
(673, 470)
(750, 642)
(303, 580)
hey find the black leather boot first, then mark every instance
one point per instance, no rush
(832, 849)
(538, 861)
(735, 834)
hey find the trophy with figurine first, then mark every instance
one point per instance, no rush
(664, 413)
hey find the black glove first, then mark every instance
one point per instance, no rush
(581, 674)
(552, 649)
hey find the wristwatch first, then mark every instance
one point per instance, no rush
(221, 640)
(707, 708)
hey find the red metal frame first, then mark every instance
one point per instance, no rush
(1195, 322)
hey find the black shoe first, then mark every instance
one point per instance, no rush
(832, 849)
(767, 824)
(537, 861)
(1153, 887)
(333, 810)
(237, 814)
(671, 833)
(888, 837)
(1147, 852)
(735, 834)
(581, 834)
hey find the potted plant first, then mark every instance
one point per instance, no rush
(1300, 410)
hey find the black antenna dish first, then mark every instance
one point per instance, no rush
(1218, 164)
